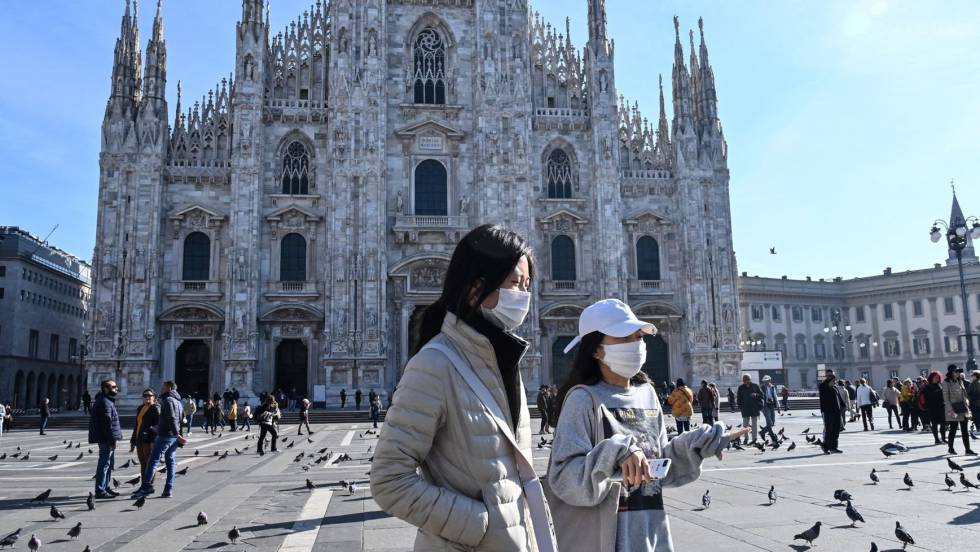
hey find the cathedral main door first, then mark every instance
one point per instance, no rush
(193, 368)
(657, 366)
(291, 360)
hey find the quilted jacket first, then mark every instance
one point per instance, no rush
(442, 464)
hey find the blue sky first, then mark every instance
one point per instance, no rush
(845, 119)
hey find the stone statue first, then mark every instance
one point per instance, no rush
(464, 204)
(399, 203)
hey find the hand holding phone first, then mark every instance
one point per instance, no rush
(659, 468)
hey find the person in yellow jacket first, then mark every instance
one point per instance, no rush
(905, 399)
(233, 415)
(680, 401)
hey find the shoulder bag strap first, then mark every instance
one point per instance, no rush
(534, 494)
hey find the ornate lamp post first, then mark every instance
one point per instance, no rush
(835, 327)
(959, 231)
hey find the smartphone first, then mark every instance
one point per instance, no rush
(659, 468)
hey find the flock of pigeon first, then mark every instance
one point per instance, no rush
(34, 544)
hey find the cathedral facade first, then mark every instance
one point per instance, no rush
(286, 230)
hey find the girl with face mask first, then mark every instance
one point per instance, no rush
(450, 459)
(610, 430)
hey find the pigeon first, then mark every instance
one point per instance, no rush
(903, 535)
(80, 456)
(126, 465)
(27, 457)
(197, 452)
(290, 445)
(299, 457)
(818, 442)
(215, 453)
(223, 455)
(791, 447)
(908, 481)
(308, 440)
(874, 547)
(853, 514)
(87, 548)
(760, 446)
(90, 501)
(810, 534)
(35, 543)
(772, 250)
(773, 497)
(140, 502)
(888, 452)
(15, 455)
(967, 483)
(10, 539)
(182, 471)
(75, 531)
(233, 534)
(283, 440)
(202, 518)
(43, 497)
(806, 431)
(842, 496)
(90, 451)
(3, 456)
(56, 513)
(78, 444)
(115, 482)
(310, 485)
(706, 500)
(953, 465)
(874, 476)
(351, 489)
(321, 451)
(810, 439)
(53, 458)
(737, 446)
(162, 470)
(133, 481)
(949, 482)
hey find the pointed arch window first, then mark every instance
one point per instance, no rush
(292, 258)
(429, 54)
(431, 189)
(296, 169)
(562, 259)
(197, 257)
(560, 175)
(647, 259)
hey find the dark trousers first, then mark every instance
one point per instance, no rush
(271, 430)
(833, 424)
(975, 412)
(683, 426)
(544, 423)
(939, 431)
(964, 429)
(708, 417)
(44, 424)
(143, 454)
(867, 416)
(890, 409)
(304, 420)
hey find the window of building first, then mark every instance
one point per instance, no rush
(916, 308)
(197, 257)
(805, 378)
(816, 314)
(560, 175)
(887, 311)
(797, 313)
(292, 258)
(53, 350)
(920, 345)
(296, 169)
(562, 258)
(430, 68)
(859, 313)
(32, 344)
(431, 189)
(758, 313)
(73, 350)
(1, 293)
(800, 350)
(948, 306)
(647, 259)
(863, 352)
(777, 314)
(892, 348)
(3, 271)
(819, 351)
(951, 343)
(781, 347)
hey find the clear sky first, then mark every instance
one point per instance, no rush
(845, 119)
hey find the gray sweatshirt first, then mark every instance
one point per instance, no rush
(581, 472)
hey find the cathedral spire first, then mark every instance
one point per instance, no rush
(706, 81)
(663, 132)
(695, 80)
(155, 78)
(598, 41)
(681, 85)
(126, 66)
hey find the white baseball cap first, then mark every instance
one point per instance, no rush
(611, 317)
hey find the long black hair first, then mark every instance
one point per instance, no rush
(483, 260)
(585, 369)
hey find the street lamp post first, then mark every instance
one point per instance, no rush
(959, 230)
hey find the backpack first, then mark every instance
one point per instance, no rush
(874, 397)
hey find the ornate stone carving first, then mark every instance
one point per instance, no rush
(428, 274)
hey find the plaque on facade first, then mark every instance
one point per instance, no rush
(134, 380)
(428, 274)
(338, 377)
(370, 377)
(431, 142)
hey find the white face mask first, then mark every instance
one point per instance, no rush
(512, 307)
(625, 359)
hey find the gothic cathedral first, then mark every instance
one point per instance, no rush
(285, 231)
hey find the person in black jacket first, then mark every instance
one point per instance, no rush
(749, 398)
(167, 439)
(104, 430)
(144, 431)
(86, 401)
(935, 407)
(357, 399)
(45, 414)
(833, 406)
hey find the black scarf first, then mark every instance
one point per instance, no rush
(509, 349)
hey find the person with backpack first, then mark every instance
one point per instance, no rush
(867, 399)
(610, 430)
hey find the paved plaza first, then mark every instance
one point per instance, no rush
(266, 498)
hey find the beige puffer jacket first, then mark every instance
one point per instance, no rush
(466, 494)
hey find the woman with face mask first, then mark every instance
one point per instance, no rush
(453, 457)
(610, 430)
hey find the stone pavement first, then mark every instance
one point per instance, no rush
(265, 497)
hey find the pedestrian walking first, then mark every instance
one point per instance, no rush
(3, 418)
(233, 416)
(304, 417)
(973, 394)
(86, 401)
(852, 405)
(706, 400)
(357, 399)
(769, 407)
(217, 416)
(145, 431)
(935, 408)
(833, 407)
(867, 399)
(8, 419)
(957, 406)
(104, 430)
(268, 414)
(749, 399)
(343, 398)
(247, 416)
(189, 410)
(891, 397)
(610, 431)
(45, 414)
(681, 404)
(543, 407)
(473, 443)
(731, 400)
(166, 442)
(717, 394)
(375, 410)
(785, 396)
